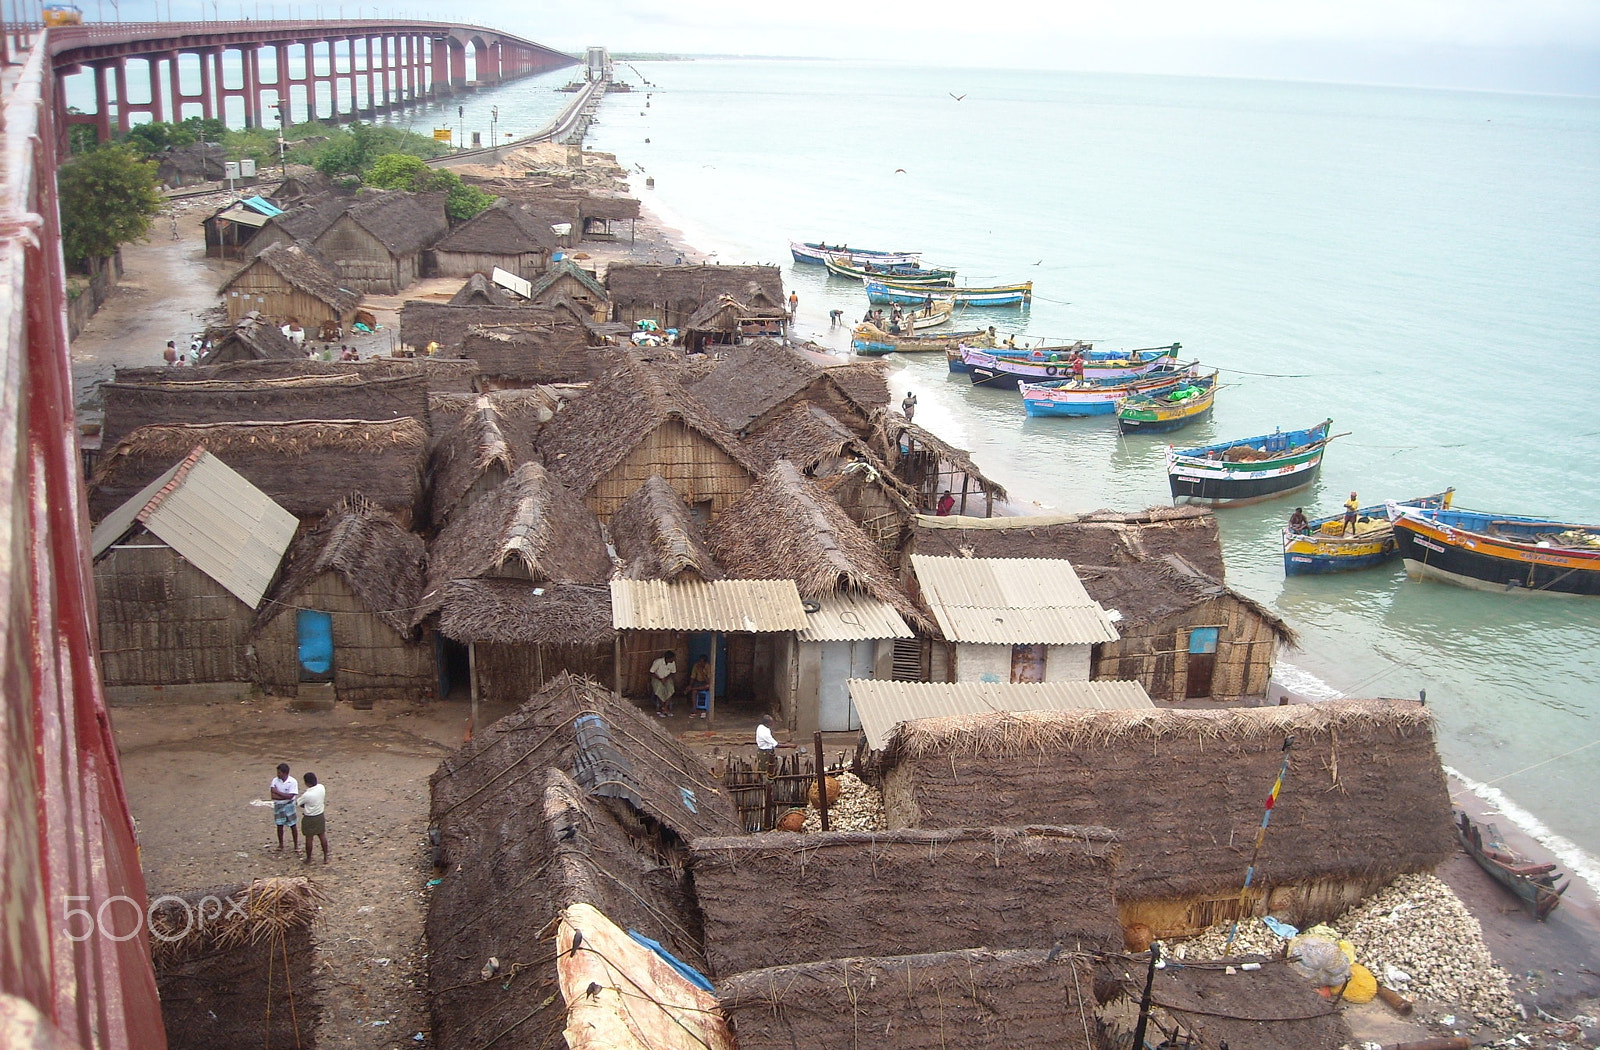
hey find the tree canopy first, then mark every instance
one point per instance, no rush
(108, 197)
(399, 171)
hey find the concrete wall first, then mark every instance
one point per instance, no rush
(992, 663)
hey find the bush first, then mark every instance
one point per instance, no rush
(108, 197)
(399, 171)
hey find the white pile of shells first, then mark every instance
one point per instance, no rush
(1253, 938)
(858, 808)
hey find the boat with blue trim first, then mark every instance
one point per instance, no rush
(818, 253)
(1250, 469)
(882, 293)
(1506, 553)
(1163, 411)
(1097, 397)
(900, 274)
(1325, 545)
(991, 368)
(872, 341)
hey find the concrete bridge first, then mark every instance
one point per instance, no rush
(359, 67)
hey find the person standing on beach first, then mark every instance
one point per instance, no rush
(767, 747)
(284, 791)
(794, 304)
(315, 821)
(908, 407)
(170, 354)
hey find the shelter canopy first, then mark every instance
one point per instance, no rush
(1011, 601)
(882, 705)
(743, 606)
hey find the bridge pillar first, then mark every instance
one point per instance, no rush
(102, 103)
(252, 86)
(206, 109)
(458, 62)
(372, 85)
(280, 61)
(122, 96)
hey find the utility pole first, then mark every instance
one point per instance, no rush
(461, 122)
(494, 121)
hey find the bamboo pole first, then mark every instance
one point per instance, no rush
(822, 780)
(711, 693)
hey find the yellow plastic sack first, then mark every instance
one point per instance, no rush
(1363, 987)
(1348, 949)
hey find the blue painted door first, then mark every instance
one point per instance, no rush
(314, 632)
(1202, 662)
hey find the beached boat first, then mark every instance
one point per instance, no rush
(1249, 469)
(1097, 397)
(882, 293)
(1159, 412)
(818, 254)
(1498, 552)
(874, 342)
(900, 274)
(988, 368)
(1323, 547)
(1538, 886)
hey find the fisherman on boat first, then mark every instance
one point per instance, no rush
(1077, 366)
(1352, 510)
(1298, 523)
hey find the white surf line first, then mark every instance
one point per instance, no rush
(1580, 864)
(1298, 680)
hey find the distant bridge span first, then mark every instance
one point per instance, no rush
(349, 67)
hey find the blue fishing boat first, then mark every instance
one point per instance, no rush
(986, 368)
(817, 254)
(1504, 553)
(1097, 397)
(1325, 545)
(881, 293)
(1248, 469)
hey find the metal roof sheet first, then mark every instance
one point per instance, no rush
(244, 216)
(223, 525)
(884, 705)
(853, 618)
(1011, 601)
(748, 606)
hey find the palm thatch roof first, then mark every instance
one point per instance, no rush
(491, 436)
(516, 612)
(310, 217)
(504, 228)
(896, 437)
(865, 381)
(726, 314)
(251, 338)
(1148, 592)
(306, 467)
(755, 380)
(423, 322)
(808, 435)
(536, 352)
(296, 188)
(305, 269)
(656, 536)
(480, 291)
(378, 559)
(403, 222)
(787, 528)
(129, 406)
(687, 288)
(565, 268)
(529, 528)
(440, 374)
(596, 431)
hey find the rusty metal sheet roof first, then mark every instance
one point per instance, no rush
(884, 705)
(742, 606)
(206, 511)
(1011, 601)
(853, 618)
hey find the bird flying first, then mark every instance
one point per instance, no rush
(957, 97)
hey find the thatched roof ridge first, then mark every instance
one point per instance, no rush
(304, 268)
(403, 222)
(422, 322)
(1148, 592)
(530, 527)
(503, 228)
(892, 426)
(785, 527)
(312, 215)
(687, 288)
(516, 612)
(593, 433)
(379, 560)
(657, 538)
(566, 268)
(807, 434)
(757, 376)
(1098, 538)
(1009, 734)
(252, 337)
(480, 291)
(441, 374)
(535, 352)
(247, 914)
(493, 431)
(865, 381)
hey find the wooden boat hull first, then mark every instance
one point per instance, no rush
(1099, 399)
(819, 254)
(1150, 414)
(1296, 458)
(986, 369)
(881, 343)
(881, 294)
(1537, 886)
(1438, 548)
(1324, 549)
(907, 275)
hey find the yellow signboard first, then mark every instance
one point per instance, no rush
(442, 134)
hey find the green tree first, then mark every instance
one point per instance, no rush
(396, 171)
(400, 171)
(107, 197)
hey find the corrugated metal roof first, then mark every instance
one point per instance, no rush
(1011, 601)
(853, 618)
(884, 705)
(223, 525)
(749, 606)
(244, 216)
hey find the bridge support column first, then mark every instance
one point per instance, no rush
(174, 88)
(207, 110)
(372, 85)
(281, 62)
(122, 96)
(102, 103)
(154, 63)
(250, 69)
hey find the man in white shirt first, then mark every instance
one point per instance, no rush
(663, 682)
(284, 789)
(314, 823)
(767, 746)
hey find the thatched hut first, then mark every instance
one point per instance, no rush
(727, 321)
(844, 465)
(786, 528)
(306, 466)
(504, 235)
(231, 227)
(569, 281)
(634, 423)
(377, 244)
(439, 374)
(657, 537)
(478, 290)
(932, 466)
(775, 898)
(300, 187)
(352, 583)
(250, 338)
(308, 219)
(235, 965)
(1182, 632)
(753, 385)
(865, 381)
(1028, 997)
(481, 444)
(1365, 798)
(129, 406)
(519, 581)
(573, 798)
(291, 282)
(670, 295)
(444, 326)
(180, 566)
(513, 355)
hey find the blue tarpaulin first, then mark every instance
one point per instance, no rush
(687, 972)
(262, 205)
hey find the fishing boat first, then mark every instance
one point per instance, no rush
(988, 368)
(1538, 886)
(1097, 397)
(1498, 552)
(1158, 412)
(1249, 469)
(900, 274)
(818, 254)
(882, 293)
(874, 342)
(1323, 547)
